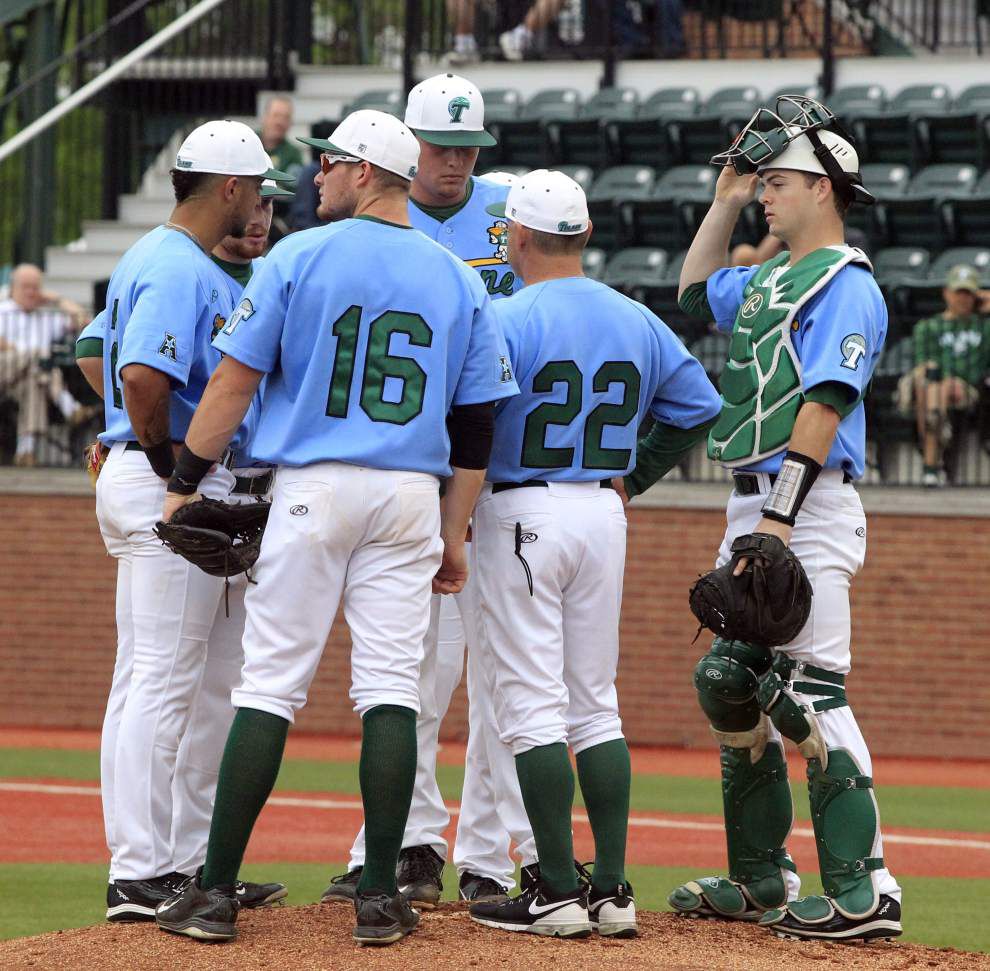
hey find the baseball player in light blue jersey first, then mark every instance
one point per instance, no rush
(807, 328)
(165, 299)
(550, 539)
(448, 204)
(362, 372)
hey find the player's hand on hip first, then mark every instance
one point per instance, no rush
(453, 571)
(619, 484)
(735, 191)
(174, 502)
(775, 528)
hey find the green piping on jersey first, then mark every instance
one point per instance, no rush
(761, 383)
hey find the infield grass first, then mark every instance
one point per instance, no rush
(920, 807)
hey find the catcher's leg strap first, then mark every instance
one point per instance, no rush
(726, 680)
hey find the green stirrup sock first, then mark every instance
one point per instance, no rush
(604, 775)
(248, 771)
(388, 774)
(547, 785)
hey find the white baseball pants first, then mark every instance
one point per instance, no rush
(829, 539)
(165, 612)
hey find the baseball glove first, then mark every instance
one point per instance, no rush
(766, 605)
(221, 538)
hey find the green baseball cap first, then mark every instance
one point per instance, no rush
(270, 189)
(963, 277)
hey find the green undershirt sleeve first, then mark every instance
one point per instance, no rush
(89, 347)
(835, 394)
(659, 451)
(694, 301)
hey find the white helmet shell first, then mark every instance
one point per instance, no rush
(800, 154)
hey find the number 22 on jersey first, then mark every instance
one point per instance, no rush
(379, 365)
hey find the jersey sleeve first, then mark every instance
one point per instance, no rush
(685, 397)
(253, 334)
(844, 332)
(161, 327)
(487, 374)
(725, 289)
(89, 343)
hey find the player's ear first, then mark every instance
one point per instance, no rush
(229, 188)
(588, 232)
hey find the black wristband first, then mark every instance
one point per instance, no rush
(794, 481)
(161, 458)
(189, 472)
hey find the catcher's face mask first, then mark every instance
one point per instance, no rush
(799, 133)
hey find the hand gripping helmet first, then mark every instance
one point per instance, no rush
(802, 134)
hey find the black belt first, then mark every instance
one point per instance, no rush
(537, 484)
(748, 484)
(253, 485)
(224, 459)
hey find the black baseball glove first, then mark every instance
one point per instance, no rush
(221, 538)
(766, 605)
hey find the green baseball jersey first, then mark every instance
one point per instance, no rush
(960, 347)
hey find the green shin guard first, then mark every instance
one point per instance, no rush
(755, 795)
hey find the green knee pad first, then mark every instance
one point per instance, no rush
(756, 800)
(845, 820)
(726, 680)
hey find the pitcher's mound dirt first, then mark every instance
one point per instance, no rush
(319, 937)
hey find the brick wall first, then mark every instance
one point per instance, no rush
(918, 684)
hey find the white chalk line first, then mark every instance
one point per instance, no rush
(650, 822)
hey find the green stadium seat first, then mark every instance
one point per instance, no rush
(593, 261)
(581, 140)
(671, 103)
(945, 179)
(712, 351)
(897, 263)
(523, 139)
(915, 218)
(959, 135)
(976, 256)
(913, 300)
(890, 136)
(659, 219)
(638, 266)
(885, 424)
(583, 175)
(697, 138)
(638, 141)
(884, 179)
(610, 188)
(857, 100)
(502, 104)
(385, 99)
(967, 219)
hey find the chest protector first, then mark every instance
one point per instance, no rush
(761, 383)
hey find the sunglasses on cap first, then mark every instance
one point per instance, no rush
(327, 160)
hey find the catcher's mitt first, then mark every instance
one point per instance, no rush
(221, 538)
(766, 605)
(94, 457)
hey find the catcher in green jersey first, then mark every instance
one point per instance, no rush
(807, 328)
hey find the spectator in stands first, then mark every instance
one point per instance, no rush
(302, 211)
(275, 124)
(28, 329)
(516, 42)
(460, 14)
(952, 366)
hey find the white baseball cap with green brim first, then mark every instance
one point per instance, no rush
(270, 189)
(549, 202)
(226, 148)
(448, 110)
(375, 137)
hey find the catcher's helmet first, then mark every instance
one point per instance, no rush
(802, 134)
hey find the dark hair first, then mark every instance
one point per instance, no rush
(841, 204)
(556, 244)
(186, 184)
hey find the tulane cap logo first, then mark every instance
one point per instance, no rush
(456, 108)
(565, 227)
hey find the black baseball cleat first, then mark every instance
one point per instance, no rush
(382, 919)
(135, 900)
(538, 910)
(820, 920)
(529, 876)
(613, 912)
(481, 890)
(418, 876)
(343, 887)
(252, 896)
(206, 915)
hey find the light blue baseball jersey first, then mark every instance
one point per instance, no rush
(590, 364)
(166, 298)
(479, 239)
(368, 332)
(837, 335)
